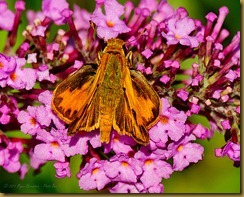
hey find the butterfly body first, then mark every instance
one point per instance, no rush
(111, 96)
(109, 92)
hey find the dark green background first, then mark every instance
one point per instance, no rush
(211, 175)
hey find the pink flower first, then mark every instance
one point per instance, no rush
(165, 79)
(34, 119)
(121, 187)
(147, 53)
(54, 9)
(23, 170)
(10, 155)
(231, 75)
(109, 25)
(232, 150)
(93, 176)
(171, 120)
(182, 94)
(201, 132)
(123, 169)
(62, 169)
(14, 74)
(51, 147)
(31, 58)
(6, 17)
(31, 16)
(81, 18)
(78, 143)
(179, 30)
(8, 108)
(154, 169)
(119, 144)
(226, 124)
(184, 152)
(7, 65)
(148, 4)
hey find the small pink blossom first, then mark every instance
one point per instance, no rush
(109, 25)
(178, 33)
(225, 124)
(147, 53)
(6, 17)
(53, 10)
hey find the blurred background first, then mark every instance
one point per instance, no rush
(211, 175)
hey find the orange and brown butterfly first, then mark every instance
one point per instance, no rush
(108, 95)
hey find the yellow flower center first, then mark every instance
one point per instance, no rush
(55, 144)
(164, 119)
(33, 121)
(124, 164)
(177, 37)
(116, 138)
(148, 162)
(95, 170)
(180, 148)
(13, 76)
(110, 24)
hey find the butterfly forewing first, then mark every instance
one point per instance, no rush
(71, 96)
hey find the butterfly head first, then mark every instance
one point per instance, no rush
(115, 45)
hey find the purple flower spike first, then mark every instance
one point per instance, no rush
(193, 66)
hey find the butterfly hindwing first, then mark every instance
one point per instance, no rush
(88, 120)
(146, 103)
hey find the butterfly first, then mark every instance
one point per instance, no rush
(107, 95)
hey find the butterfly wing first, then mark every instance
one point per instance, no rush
(72, 99)
(88, 119)
(147, 103)
(139, 109)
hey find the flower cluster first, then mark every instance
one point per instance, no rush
(160, 39)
